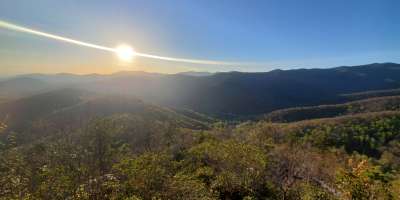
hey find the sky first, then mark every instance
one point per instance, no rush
(260, 35)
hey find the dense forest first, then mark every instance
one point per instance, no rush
(126, 156)
(78, 144)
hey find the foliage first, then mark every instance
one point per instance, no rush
(363, 181)
(128, 157)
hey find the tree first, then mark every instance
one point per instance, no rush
(157, 176)
(362, 181)
(232, 169)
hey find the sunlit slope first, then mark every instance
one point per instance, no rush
(366, 133)
(75, 107)
(373, 93)
(391, 103)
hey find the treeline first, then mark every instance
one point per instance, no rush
(118, 157)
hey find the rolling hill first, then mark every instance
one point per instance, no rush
(22, 87)
(391, 103)
(74, 107)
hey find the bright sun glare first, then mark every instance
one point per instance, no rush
(125, 52)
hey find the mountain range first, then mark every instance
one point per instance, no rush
(226, 95)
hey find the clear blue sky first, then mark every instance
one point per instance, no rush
(278, 33)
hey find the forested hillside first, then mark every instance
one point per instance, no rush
(354, 157)
(371, 94)
(81, 143)
(131, 156)
(324, 111)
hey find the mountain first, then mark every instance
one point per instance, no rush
(21, 112)
(21, 87)
(64, 79)
(74, 107)
(377, 104)
(236, 95)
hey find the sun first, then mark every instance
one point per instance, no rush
(125, 52)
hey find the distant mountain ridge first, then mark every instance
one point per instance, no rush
(235, 94)
(195, 73)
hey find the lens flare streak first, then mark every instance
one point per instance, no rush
(18, 28)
